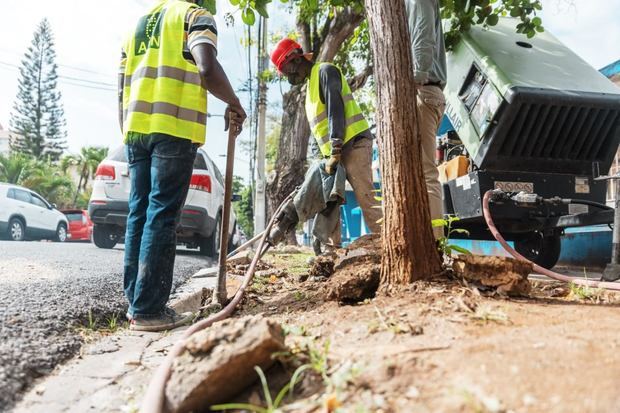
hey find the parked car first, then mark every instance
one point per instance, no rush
(80, 225)
(24, 214)
(201, 216)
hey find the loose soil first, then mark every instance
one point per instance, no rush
(442, 345)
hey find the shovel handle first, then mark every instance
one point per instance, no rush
(220, 294)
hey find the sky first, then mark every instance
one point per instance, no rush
(89, 35)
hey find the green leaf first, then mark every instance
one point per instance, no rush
(234, 2)
(460, 249)
(261, 8)
(492, 20)
(437, 223)
(211, 6)
(536, 21)
(516, 11)
(239, 406)
(263, 382)
(460, 231)
(248, 16)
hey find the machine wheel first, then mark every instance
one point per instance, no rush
(17, 230)
(61, 233)
(540, 249)
(210, 246)
(105, 237)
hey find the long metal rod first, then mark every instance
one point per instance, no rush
(220, 294)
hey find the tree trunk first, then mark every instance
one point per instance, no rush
(292, 148)
(409, 251)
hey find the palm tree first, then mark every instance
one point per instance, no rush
(86, 163)
(48, 180)
(13, 167)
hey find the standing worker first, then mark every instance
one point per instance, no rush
(168, 64)
(429, 67)
(337, 123)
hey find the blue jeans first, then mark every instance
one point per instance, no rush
(160, 169)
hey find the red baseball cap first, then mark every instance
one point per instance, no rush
(285, 50)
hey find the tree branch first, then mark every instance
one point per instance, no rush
(340, 29)
(359, 80)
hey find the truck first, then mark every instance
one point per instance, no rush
(535, 123)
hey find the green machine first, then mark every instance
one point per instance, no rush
(536, 123)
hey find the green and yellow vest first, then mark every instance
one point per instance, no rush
(317, 112)
(163, 92)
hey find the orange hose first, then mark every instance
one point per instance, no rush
(615, 286)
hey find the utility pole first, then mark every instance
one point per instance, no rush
(260, 209)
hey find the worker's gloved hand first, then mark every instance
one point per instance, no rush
(332, 164)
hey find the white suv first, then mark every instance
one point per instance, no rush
(200, 218)
(24, 214)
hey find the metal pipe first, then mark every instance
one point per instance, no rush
(551, 274)
(155, 397)
(247, 245)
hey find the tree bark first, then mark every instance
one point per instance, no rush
(292, 149)
(409, 251)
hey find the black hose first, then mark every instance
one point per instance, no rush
(586, 202)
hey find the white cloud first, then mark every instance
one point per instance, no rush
(589, 27)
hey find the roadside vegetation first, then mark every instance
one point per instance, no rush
(62, 182)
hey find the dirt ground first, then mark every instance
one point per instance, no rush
(442, 346)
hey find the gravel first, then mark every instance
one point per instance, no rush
(49, 290)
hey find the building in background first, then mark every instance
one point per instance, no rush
(4, 141)
(612, 71)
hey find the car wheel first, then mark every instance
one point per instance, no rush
(540, 249)
(17, 230)
(61, 233)
(104, 236)
(210, 246)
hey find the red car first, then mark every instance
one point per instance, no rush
(80, 225)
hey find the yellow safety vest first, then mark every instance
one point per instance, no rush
(163, 91)
(317, 112)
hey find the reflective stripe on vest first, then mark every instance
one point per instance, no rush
(163, 92)
(316, 111)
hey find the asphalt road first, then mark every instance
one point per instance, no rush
(47, 291)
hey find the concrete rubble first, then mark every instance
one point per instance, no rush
(218, 362)
(506, 275)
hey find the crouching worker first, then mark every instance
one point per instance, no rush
(338, 126)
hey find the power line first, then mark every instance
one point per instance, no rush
(90, 84)
(80, 69)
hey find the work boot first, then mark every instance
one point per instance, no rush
(287, 219)
(167, 320)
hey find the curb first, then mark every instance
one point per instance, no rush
(110, 374)
(192, 295)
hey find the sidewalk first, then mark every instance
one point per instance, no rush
(111, 374)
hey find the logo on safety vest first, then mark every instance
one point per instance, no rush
(148, 34)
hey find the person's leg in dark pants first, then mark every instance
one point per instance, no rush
(171, 170)
(139, 160)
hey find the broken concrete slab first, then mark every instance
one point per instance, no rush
(206, 273)
(357, 273)
(243, 258)
(506, 275)
(218, 362)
